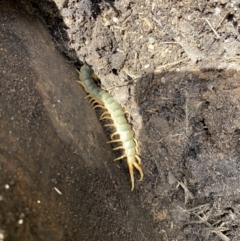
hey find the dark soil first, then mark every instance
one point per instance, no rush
(174, 65)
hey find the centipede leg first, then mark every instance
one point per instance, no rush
(113, 134)
(135, 142)
(78, 71)
(130, 167)
(121, 157)
(139, 169)
(126, 112)
(94, 102)
(91, 100)
(88, 96)
(80, 82)
(110, 125)
(95, 77)
(118, 140)
(100, 106)
(118, 148)
(106, 117)
(136, 147)
(104, 113)
(138, 158)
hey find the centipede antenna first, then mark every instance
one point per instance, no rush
(121, 157)
(118, 148)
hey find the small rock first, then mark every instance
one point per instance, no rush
(117, 60)
(151, 40)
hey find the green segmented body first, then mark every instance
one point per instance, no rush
(113, 111)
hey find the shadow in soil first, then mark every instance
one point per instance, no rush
(190, 143)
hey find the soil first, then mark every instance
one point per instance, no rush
(174, 65)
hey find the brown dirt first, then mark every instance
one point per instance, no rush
(174, 65)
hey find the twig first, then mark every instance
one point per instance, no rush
(58, 191)
(198, 208)
(214, 230)
(133, 76)
(224, 17)
(156, 71)
(169, 43)
(215, 32)
(114, 87)
(187, 193)
(186, 114)
(204, 221)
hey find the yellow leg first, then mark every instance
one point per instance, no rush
(126, 112)
(135, 142)
(80, 82)
(88, 96)
(106, 117)
(91, 100)
(100, 106)
(95, 77)
(113, 134)
(140, 170)
(138, 158)
(130, 167)
(118, 140)
(94, 102)
(111, 125)
(121, 157)
(118, 148)
(103, 114)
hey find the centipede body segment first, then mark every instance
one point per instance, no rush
(113, 111)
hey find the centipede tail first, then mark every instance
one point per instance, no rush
(112, 110)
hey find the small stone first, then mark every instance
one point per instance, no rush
(115, 20)
(151, 47)
(224, 1)
(151, 40)
(146, 66)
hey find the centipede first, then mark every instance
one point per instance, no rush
(114, 112)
